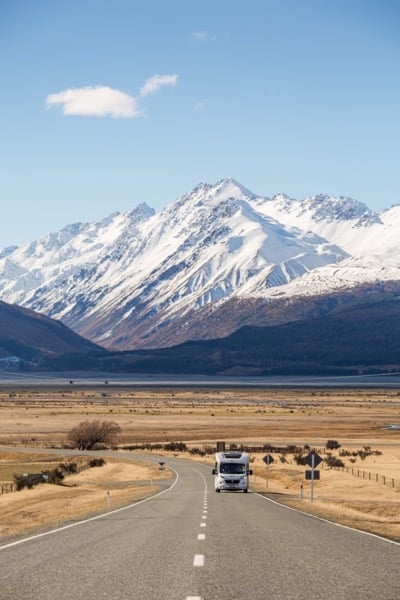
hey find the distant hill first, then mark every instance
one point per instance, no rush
(353, 338)
(28, 337)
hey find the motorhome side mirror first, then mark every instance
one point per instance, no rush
(250, 471)
(214, 472)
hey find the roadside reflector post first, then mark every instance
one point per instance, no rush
(301, 491)
(108, 498)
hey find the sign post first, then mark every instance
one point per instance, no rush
(312, 460)
(268, 459)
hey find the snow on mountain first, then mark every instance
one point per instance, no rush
(372, 240)
(137, 271)
(44, 267)
(344, 221)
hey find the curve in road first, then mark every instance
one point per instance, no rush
(189, 543)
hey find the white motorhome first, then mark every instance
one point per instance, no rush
(231, 471)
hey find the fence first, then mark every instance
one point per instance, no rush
(382, 479)
(7, 488)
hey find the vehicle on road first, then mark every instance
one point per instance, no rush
(231, 471)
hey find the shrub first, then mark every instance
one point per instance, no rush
(175, 447)
(332, 445)
(299, 458)
(69, 467)
(97, 462)
(29, 480)
(333, 461)
(89, 434)
(55, 476)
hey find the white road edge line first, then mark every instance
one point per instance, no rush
(303, 512)
(95, 518)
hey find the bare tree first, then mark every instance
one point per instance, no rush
(87, 434)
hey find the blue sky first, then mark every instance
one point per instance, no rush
(109, 103)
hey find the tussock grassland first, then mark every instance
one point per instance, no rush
(83, 494)
(199, 417)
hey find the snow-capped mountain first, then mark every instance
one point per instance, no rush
(120, 281)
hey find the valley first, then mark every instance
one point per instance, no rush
(154, 420)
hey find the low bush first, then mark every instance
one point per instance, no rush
(333, 461)
(97, 462)
(332, 445)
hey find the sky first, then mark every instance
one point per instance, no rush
(105, 104)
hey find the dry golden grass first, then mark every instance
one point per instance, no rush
(356, 418)
(339, 495)
(90, 491)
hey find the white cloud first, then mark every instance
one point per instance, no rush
(154, 83)
(99, 101)
(103, 101)
(203, 36)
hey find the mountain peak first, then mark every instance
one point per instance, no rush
(230, 186)
(138, 272)
(141, 212)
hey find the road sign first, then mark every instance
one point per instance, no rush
(313, 475)
(268, 459)
(313, 459)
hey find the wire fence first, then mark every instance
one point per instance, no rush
(377, 477)
(7, 488)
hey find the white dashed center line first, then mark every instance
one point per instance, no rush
(198, 560)
(201, 536)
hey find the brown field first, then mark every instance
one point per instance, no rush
(367, 498)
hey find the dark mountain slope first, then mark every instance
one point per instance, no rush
(221, 320)
(363, 336)
(31, 336)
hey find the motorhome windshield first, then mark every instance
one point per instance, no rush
(232, 468)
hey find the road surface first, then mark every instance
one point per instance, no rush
(189, 543)
(382, 381)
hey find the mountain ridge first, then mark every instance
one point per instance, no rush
(124, 280)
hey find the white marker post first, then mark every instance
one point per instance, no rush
(108, 498)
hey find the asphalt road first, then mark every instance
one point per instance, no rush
(17, 379)
(191, 543)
